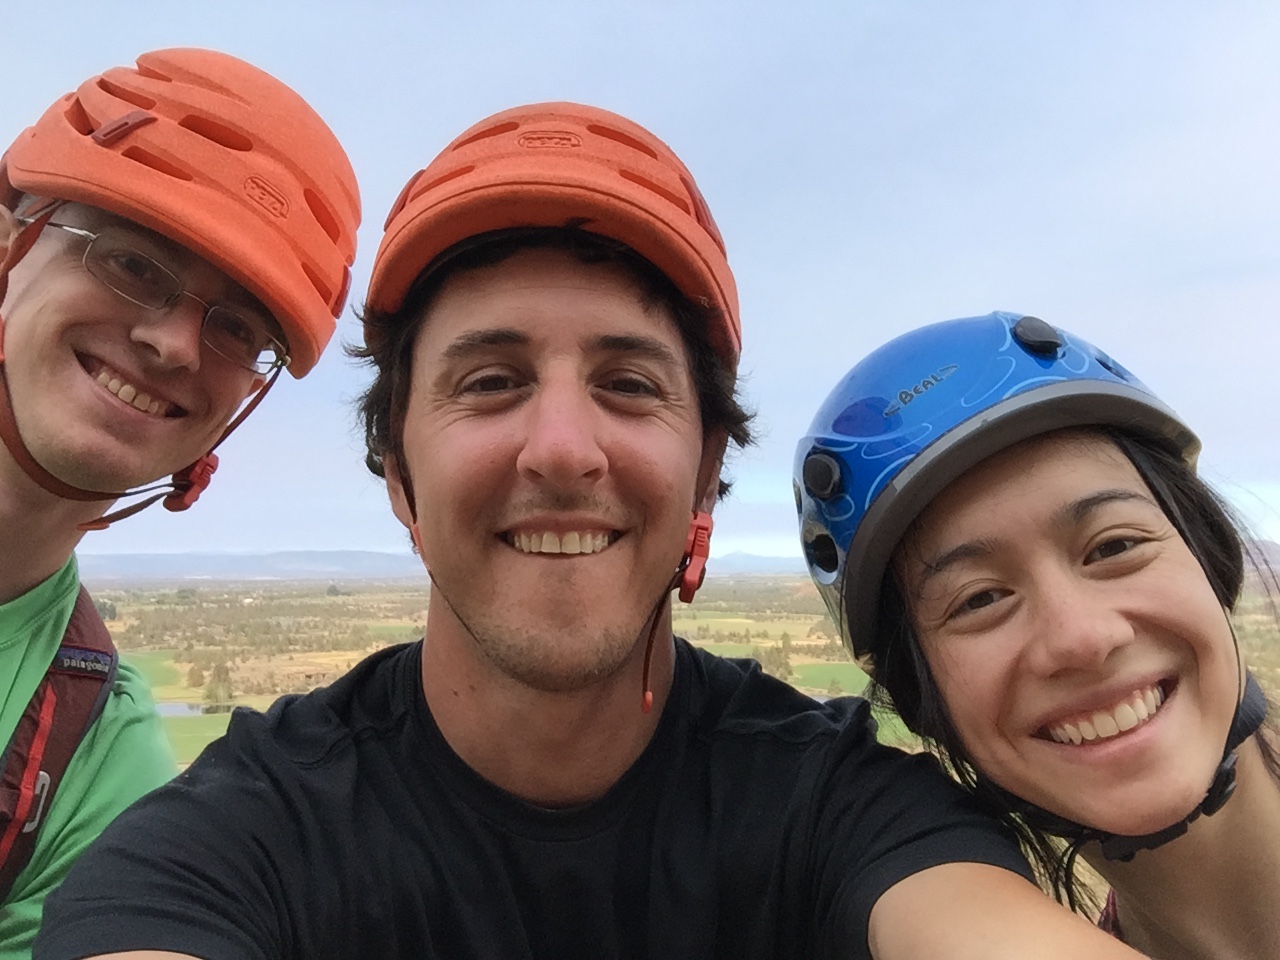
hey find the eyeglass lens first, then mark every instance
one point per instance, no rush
(139, 278)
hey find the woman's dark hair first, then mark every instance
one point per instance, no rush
(904, 681)
(390, 337)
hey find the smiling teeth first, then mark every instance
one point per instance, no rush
(1139, 707)
(571, 542)
(129, 393)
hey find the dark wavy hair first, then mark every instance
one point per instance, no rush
(904, 681)
(390, 337)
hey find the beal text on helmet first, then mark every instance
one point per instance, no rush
(906, 395)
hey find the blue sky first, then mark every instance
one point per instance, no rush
(1110, 167)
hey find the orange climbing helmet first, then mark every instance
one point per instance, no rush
(550, 164)
(223, 158)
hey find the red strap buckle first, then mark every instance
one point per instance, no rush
(190, 482)
(697, 548)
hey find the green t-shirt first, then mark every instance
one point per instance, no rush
(124, 755)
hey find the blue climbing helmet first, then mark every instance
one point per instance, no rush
(911, 418)
(920, 411)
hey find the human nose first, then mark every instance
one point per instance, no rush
(174, 333)
(1079, 625)
(561, 446)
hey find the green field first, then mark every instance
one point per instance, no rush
(690, 626)
(893, 731)
(395, 632)
(189, 735)
(156, 665)
(818, 676)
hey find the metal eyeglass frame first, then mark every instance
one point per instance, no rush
(274, 346)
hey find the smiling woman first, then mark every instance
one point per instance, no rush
(1023, 558)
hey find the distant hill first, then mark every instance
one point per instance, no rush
(371, 565)
(285, 565)
(332, 565)
(738, 564)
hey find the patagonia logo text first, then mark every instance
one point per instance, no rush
(267, 197)
(537, 139)
(93, 663)
(907, 394)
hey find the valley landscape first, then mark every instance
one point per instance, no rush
(208, 645)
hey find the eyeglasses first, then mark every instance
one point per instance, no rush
(138, 278)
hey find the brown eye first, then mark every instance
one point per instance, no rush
(490, 383)
(632, 387)
(975, 602)
(137, 273)
(1111, 548)
(236, 330)
(980, 600)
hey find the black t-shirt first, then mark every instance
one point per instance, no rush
(757, 823)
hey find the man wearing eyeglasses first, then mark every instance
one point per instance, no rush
(172, 236)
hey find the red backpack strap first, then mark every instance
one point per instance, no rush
(65, 705)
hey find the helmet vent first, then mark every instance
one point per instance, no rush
(661, 191)
(1111, 366)
(702, 213)
(1037, 337)
(617, 136)
(324, 216)
(322, 288)
(821, 474)
(340, 300)
(495, 131)
(822, 553)
(78, 119)
(151, 73)
(219, 133)
(125, 94)
(149, 159)
(401, 200)
(451, 175)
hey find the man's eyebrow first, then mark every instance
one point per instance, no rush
(647, 347)
(1078, 510)
(473, 340)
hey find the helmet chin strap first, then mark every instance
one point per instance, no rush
(1249, 715)
(178, 493)
(689, 576)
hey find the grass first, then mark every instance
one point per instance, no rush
(893, 731)
(818, 676)
(797, 629)
(156, 665)
(189, 735)
(401, 631)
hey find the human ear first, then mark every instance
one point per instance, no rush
(396, 491)
(9, 228)
(708, 488)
